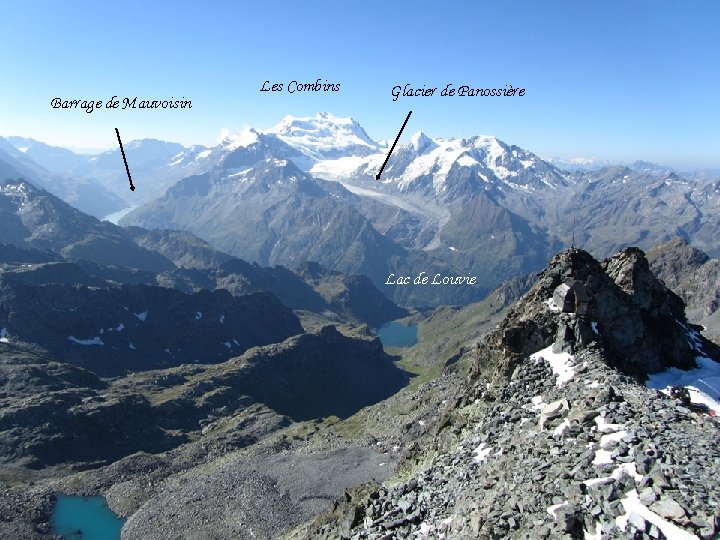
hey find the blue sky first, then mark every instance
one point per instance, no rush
(614, 80)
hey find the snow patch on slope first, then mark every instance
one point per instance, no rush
(92, 341)
(631, 503)
(481, 453)
(703, 383)
(561, 364)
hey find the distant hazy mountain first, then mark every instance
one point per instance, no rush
(53, 158)
(617, 206)
(580, 163)
(85, 194)
(652, 168)
(702, 174)
(155, 165)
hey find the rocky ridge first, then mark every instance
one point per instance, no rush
(113, 331)
(643, 323)
(339, 298)
(552, 435)
(32, 217)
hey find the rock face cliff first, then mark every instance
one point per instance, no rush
(554, 434)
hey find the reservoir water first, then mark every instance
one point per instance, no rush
(395, 334)
(85, 518)
(117, 216)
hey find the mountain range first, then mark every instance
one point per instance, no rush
(473, 206)
(86, 194)
(118, 343)
(47, 242)
(305, 190)
(320, 435)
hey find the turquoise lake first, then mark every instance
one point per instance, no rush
(85, 518)
(395, 334)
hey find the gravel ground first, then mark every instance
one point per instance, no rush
(603, 437)
(253, 496)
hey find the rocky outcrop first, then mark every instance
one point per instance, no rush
(181, 247)
(639, 322)
(52, 413)
(17, 255)
(312, 288)
(354, 297)
(510, 291)
(320, 375)
(48, 272)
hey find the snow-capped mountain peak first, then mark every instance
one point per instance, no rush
(236, 140)
(421, 142)
(325, 136)
(442, 167)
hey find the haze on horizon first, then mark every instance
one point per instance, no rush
(591, 159)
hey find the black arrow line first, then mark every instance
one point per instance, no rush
(377, 176)
(132, 188)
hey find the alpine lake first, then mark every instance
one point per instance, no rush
(85, 518)
(396, 334)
